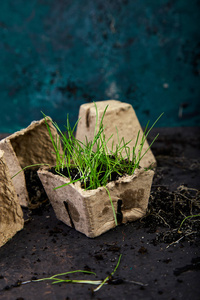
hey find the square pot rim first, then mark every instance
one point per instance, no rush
(77, 185)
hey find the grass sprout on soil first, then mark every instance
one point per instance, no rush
(56, 278)
(92, 162)
(188, 217)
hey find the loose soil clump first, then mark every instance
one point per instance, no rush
(166, 212)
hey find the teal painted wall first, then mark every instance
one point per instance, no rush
(57, 55)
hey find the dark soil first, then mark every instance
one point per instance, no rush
(160, 259)
(101, 170)
(74, 174)
(37, 195)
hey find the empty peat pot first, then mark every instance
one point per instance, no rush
(90, 211)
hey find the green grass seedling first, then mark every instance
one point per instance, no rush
(186, 218)
(56, 278)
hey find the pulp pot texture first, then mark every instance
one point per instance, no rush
(90, 211)
(11, 215)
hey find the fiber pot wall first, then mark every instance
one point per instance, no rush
(90, 211)
(27, 147)
(11, 215)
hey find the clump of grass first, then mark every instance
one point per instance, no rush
(95, 164)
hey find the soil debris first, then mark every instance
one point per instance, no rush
(166, 212)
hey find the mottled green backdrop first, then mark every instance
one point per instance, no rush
(56, 55)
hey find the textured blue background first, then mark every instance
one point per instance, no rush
(57, 55)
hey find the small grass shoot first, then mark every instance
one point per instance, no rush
(108, 277)
(35, 165)
(56, 278)
(186, 218)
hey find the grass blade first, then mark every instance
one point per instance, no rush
(107, 278)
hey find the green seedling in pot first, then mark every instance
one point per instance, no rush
(92, 162)
(95, 168)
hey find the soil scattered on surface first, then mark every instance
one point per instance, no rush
(166, 212)
(166, 209)
(156, 252)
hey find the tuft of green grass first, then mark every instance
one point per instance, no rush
(95, 168)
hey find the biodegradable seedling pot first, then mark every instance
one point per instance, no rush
(90, 211)
(11, 215)
(27, 147)
(95, 187)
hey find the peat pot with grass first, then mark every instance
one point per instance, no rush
(94, 191)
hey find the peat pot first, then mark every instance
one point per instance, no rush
(29, 146)
(90, 211)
